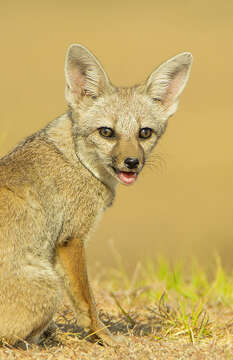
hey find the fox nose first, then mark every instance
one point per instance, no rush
(131, 163)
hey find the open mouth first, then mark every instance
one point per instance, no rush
(126, 177)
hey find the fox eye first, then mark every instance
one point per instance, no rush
(145, 133)
(106, 132)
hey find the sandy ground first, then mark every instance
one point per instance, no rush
(145, 335)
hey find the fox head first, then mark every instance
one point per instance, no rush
(115, 129)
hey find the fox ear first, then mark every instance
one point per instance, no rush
(167, 82)
(84, 74)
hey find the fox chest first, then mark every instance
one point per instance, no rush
(84, 210)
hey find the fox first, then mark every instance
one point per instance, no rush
(56, 184)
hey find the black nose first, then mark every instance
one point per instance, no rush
(132, 163)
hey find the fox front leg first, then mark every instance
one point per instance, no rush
(73, 262)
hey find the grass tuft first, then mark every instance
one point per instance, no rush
(183, 300)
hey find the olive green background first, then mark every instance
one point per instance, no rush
(183, 206)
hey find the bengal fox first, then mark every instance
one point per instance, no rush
(55, 185)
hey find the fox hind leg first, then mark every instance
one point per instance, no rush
(27, 307)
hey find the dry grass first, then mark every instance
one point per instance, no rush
(160, 313)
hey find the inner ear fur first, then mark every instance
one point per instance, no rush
(167, 82)
(84, 74)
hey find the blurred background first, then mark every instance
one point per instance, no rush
(183, 206)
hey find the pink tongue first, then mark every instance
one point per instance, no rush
(127, 177)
